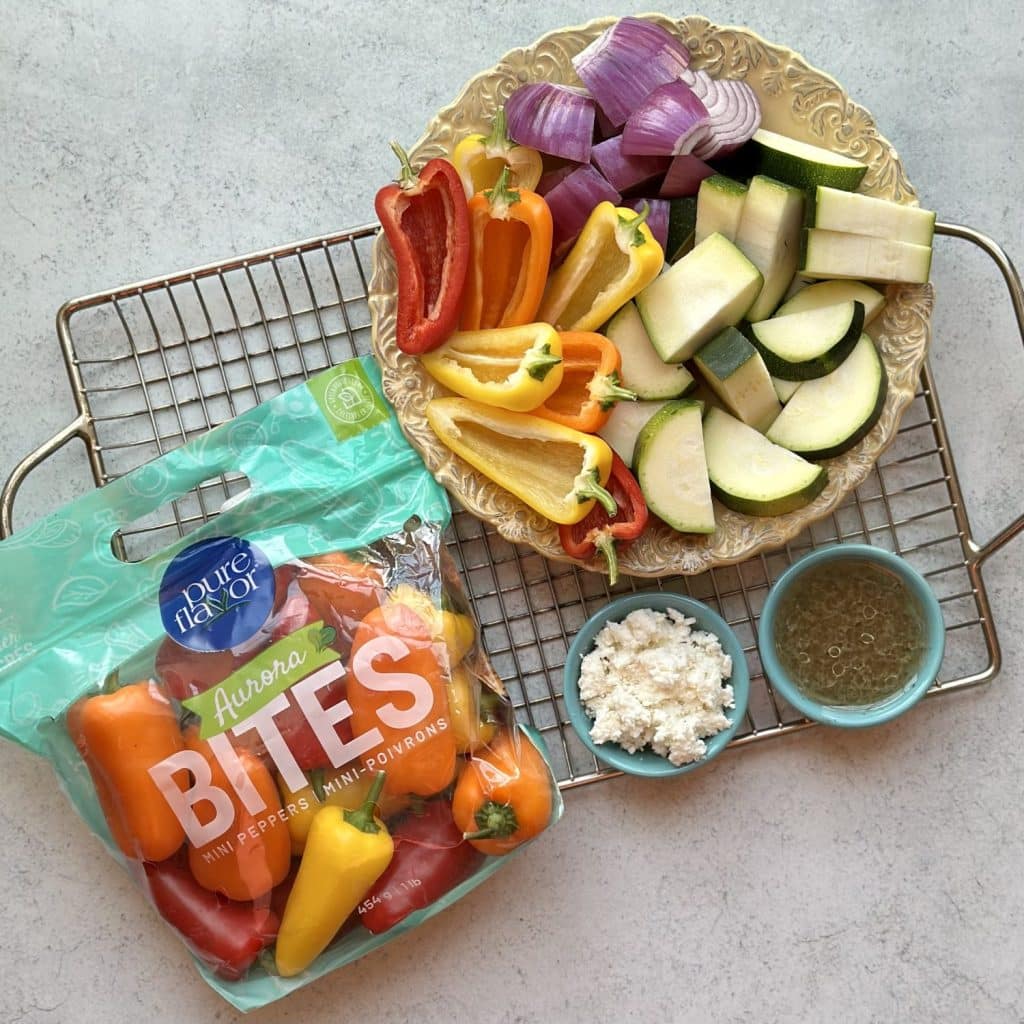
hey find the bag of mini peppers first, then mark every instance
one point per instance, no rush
(283, 726)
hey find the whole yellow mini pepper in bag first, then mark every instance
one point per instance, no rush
(480, 159)
(346, 787)
(455, 630)
(558, 471)
(613, 259)
(472, 724)
(346, 852)
(516, 368)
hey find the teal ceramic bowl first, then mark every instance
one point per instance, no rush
(646, 762)
(855, 716)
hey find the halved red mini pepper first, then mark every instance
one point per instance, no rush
(431, 858)
(598, 531)
(590, 383)
(510, 248)
(426, 220)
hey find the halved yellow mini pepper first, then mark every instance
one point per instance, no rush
(480, 159)
(515, 368)
(346, 852)
(614, 258)
(558, 471)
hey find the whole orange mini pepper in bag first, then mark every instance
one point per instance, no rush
(503, 796)
(247, 861)
(397, 684)
(120, 736)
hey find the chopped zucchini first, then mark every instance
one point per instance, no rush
(682, 223)
(785, 389)
(710, 288)
(828, 416)
(835, 254)
(858, 214)
(828, 293)
(736, 373)
(769, 236)
(802, 346)
(719, 207)
(750, 474)
(671, 468)
(804, 165)
(624, 424)
(643, 370)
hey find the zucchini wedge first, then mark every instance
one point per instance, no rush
(828, 293)
(671, 468)
(828, 416)
(750, 474)
(802, 346)
(736, 373)
(643, 370)
(804, 165)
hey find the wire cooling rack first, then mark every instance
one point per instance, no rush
(155, 364)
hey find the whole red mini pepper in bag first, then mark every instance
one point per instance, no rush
(223, 933)
(426, 220)
(598, 531)
(431, 858)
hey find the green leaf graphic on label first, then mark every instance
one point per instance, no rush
(259, 681)
(348, 400)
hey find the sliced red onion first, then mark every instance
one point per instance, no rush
(671, 120)
(554, 119)
(684, 176)
(733, 111)
(627, 62)
(657, 219)
(625, 171)
(572, 201)
(549, 179)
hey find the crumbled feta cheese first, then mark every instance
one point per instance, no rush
(653, 681)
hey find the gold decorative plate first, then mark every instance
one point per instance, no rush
(797, 100)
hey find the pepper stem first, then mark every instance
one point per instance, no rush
(496, 821)
(631, 225)
(591, 489)
(316, 780)
(605, 543)
(362, 819)
(408, 176)
(498, 139)
(606, 390)
(540, 362)
(501, 197)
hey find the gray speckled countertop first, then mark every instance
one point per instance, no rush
(847, 877)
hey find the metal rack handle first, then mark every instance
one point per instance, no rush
(980, 552)
(79, 427)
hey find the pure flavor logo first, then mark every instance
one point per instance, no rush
(216, 594)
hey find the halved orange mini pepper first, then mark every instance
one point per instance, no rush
(255, 854)
(394, 649)
(590, 383)
(509, 252)
(503, 796)
(120, 736)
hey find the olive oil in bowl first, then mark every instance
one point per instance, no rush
(851, 635)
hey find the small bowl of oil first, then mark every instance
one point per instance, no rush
(851, 635)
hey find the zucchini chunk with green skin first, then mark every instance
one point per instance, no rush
(750, 474)
(804, 165)
(859, 214)
(769, 236)
(623, 427)
(719, 207)
(835, 254)
(643, 370)
(736, 373)
(671, 468)
(802, 346)
(828, 293)
(828, 416)
(709, 289)
(682, 224)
